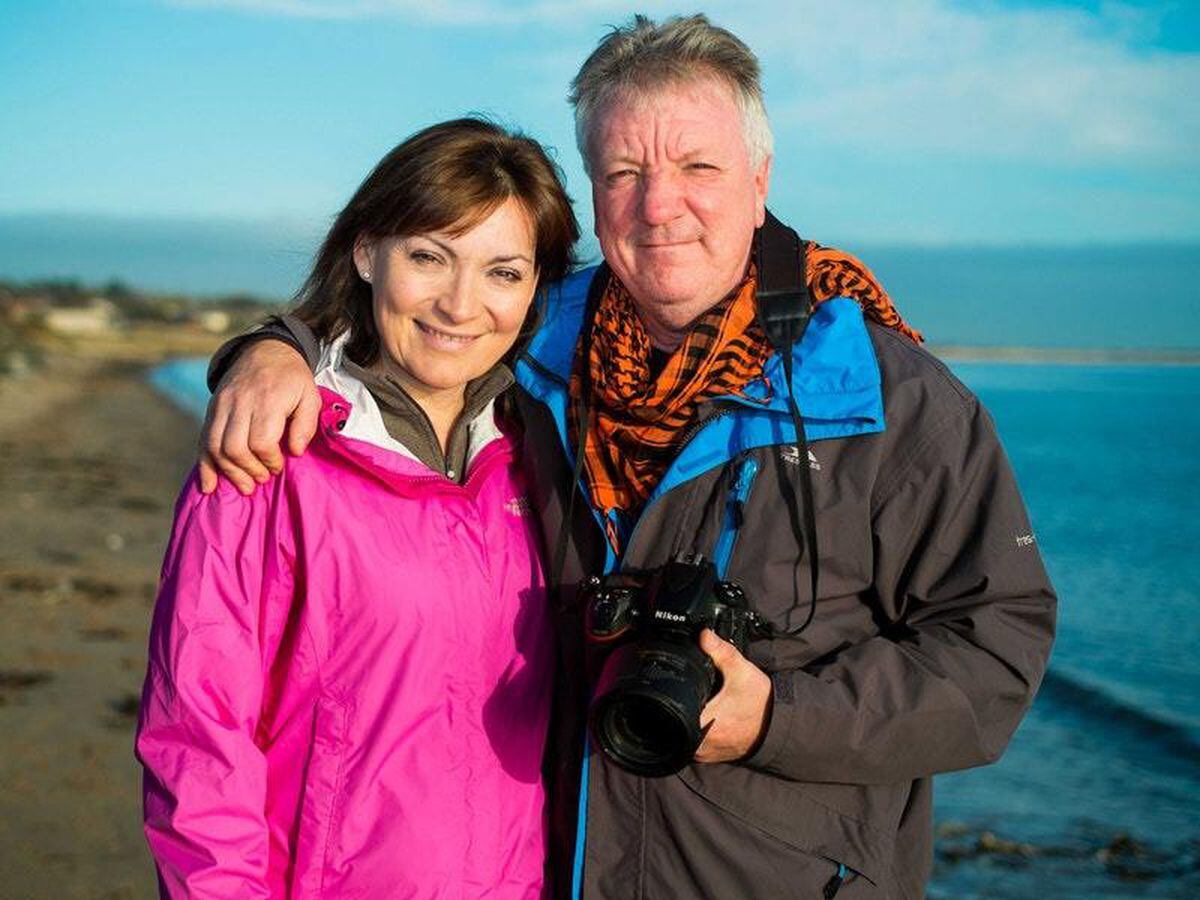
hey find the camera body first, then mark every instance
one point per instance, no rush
(645, 714)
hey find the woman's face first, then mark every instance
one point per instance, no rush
(448, 307)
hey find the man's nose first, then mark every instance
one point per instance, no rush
(457, 299)
(662, 198)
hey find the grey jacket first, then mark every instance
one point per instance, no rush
(931, 634)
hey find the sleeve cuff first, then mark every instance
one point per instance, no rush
(274, 328)
(779, 729)
(302, 338)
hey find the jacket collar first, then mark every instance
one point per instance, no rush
(350, 411)
(343, 432)
(835, 374)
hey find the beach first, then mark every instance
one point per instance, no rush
(91, 457)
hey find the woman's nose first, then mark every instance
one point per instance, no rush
(456, 301)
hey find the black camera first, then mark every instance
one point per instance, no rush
(645, 714)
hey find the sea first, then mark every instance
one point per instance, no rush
(1098, 794)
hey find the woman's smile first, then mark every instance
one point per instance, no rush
(444, 340)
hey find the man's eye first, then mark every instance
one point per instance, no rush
(702, 166)
(619, 176)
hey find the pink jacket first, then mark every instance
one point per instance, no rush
(349, 680)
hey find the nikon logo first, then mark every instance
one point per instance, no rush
(669, 616)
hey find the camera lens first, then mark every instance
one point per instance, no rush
(646, 714)
(643, 735)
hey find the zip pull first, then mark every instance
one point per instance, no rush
(615, 534)
(741, 489)
(835, 883)
(735, 513)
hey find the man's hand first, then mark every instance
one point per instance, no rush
(738, 715)
(267, 387)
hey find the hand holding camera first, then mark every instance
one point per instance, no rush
(676, 685)
(736, 718)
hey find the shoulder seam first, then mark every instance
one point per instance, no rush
(968, 407)
(906, 345)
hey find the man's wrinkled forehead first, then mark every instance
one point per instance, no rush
(685, 117)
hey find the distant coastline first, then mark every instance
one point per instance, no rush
(1071, 356)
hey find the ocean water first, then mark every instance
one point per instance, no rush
(200, 257)
(1108, 458)
(1121, 296)
(183, 380)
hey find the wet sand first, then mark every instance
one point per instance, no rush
(91, 459)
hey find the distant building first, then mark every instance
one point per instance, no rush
(216, 321)
(98, 317)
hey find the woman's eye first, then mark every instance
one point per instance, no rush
(510, 275)
(423, 256)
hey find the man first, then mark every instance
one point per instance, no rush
(654, 377)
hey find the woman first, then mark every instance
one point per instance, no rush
(349, 674)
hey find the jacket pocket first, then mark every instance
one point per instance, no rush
(321, 804)
(801, 823)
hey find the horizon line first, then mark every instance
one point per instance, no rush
(315, 222)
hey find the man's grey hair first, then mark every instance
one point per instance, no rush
(643, 56)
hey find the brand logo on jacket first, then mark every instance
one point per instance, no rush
(1024, 540)
(518, 506)
(790, 454)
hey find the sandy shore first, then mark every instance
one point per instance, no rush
(91, 458)
(1077, 356)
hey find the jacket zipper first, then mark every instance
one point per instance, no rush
(735, 513)
(835, 883)
(692, 431)
(474, 466)
(696, 427)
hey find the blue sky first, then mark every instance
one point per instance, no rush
(924, 121)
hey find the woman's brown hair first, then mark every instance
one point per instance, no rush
(452, 175)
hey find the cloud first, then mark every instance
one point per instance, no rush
(1052, 85)
(974, 79)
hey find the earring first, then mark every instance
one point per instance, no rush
(366, 276)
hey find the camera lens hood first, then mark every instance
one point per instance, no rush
(646, 713)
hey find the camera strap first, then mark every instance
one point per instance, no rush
(784, 310)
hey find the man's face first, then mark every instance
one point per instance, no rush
(676, 200)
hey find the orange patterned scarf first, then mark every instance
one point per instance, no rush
(639, 421)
